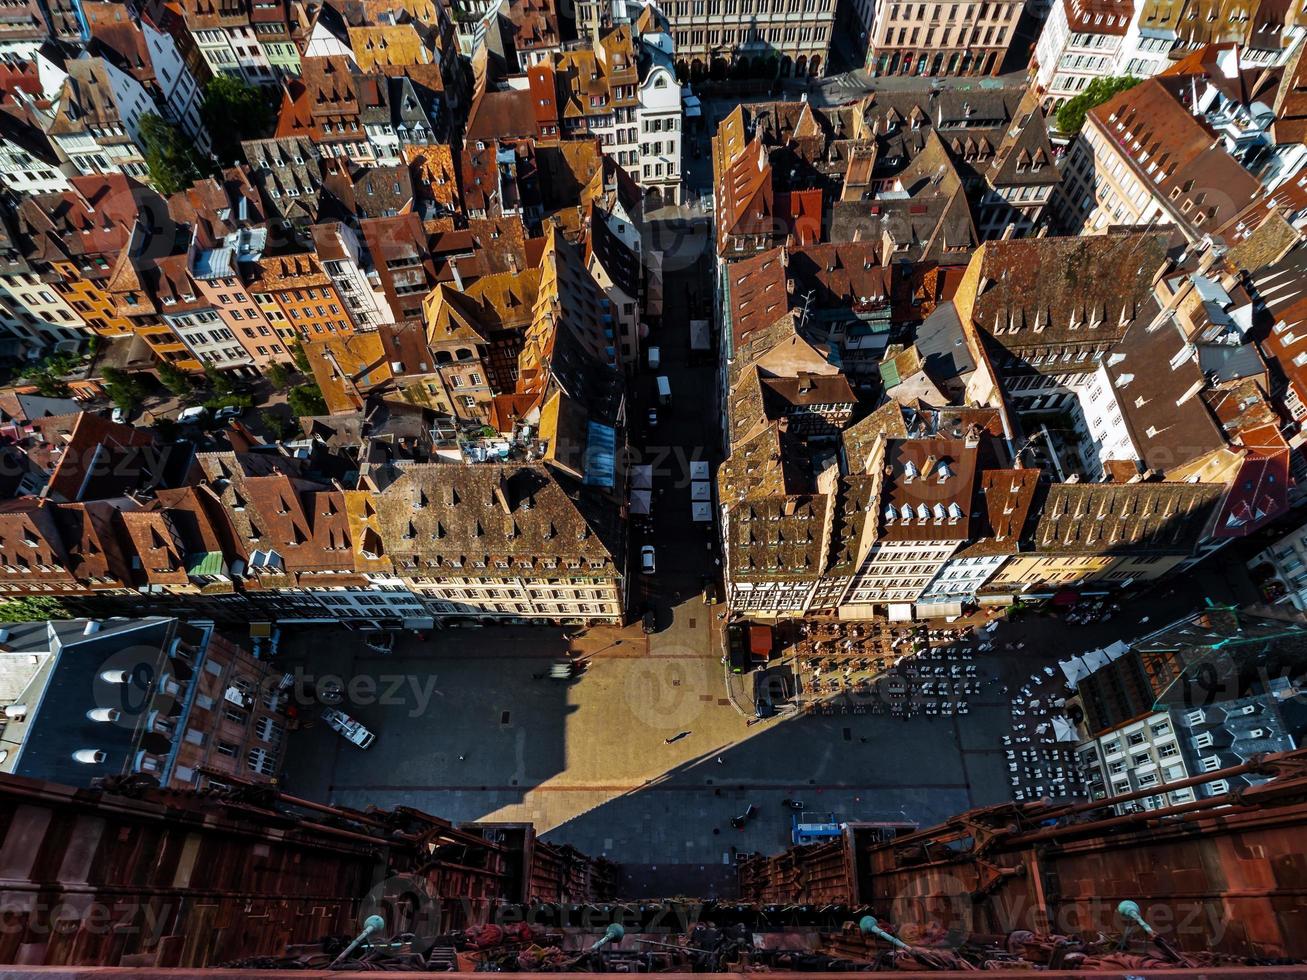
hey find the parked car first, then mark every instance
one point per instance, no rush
(647, 565)
(655, 358)
(348, 728)
(227, 413)
(196, 413)
(653, 417)
(379, 642)
(649, 621)
(118, 415)
(330, 692)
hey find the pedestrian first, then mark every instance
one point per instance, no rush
(675, 738)
(462, 758)
(721, 761)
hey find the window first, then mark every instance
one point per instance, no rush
(235, 715)
(269, 731)
(261, 761)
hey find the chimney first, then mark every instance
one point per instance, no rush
(115, 676)
(788, 507)
(92, 627)
(929, 464)
(16, 712)
(972, 440)
(104, 714)
(89, 757)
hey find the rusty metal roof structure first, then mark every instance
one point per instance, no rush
(1226, 874)
(267, 884)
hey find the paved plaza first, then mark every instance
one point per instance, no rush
(469, 727)
(471, 731)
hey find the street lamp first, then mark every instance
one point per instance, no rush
(373, 923)
(1129, 911)
(868, 926)
(613, 934)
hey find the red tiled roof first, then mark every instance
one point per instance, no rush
(1260, 491)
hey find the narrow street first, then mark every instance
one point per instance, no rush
(685, 431)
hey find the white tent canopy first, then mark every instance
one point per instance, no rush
(1063, 730)
(642, 477)
(700, 490)
(701, 510)
(698, 469)
(1082, 666)
(641, 500)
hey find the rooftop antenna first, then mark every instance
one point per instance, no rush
(868, 926)
(373, 923)
(613, 934)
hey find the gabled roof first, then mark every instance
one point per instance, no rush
(451, 515)
(103, 459)
(1126, 519)
(1039, 292)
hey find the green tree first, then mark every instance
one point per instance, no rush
(301, 359)
(306, 400)
(169, 154)
(48, 384)
(33, 609)
(278, 376)
(48, 375)
(234, 111)
(124, 390)
(175, 379)
(1071, 116)
(218, 382)
(276, 424)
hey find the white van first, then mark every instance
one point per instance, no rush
(655, 358)
(664, 390)
(196, 413)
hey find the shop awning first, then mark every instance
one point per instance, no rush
(900, 612)
(760, 640)
(1005, 599)
(1067, 597)
(939, 610)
